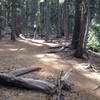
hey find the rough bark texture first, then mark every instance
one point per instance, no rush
(13, 28)
(0, 21)
(23, 71)
(55, 91)
(65, 17)
(11, 80)
(47, 19)
(82, 35)
(77, 27)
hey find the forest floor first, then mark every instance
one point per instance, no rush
(22, 53)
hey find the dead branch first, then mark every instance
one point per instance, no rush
(66, 76)
(23, 71)
(61, 86)
(98, 87)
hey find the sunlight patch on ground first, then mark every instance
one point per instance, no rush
(59, 67)
(81, 66)
(48, 59)
(47, 56)
(52, 56)
(13, 49)
(2, 50)
(21, 56)
(36, 44)
(8, 45)
(40, 55)
(92, 75)
(46, 74)
(31, 42)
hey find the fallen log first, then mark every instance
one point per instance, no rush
(58, 49)
(55, 47)
(23, 71)
(65, 45)
(55, 91)
(22, 37)
(11, 80)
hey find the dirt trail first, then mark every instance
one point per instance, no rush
(19, 54)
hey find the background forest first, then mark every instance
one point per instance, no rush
(59, 40)
(48, 19)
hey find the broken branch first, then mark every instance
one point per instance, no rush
(23, 71)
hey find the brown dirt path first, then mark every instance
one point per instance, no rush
(22, 53)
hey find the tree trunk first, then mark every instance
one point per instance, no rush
(65, 17)
(59, 18)
(0, 21)
(77, 26)
(47, 19)
(13, 33)
(83, 29)
(34, 7)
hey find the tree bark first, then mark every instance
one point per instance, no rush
(75, 38)
(47, 19)
(13, 27)
(10, 80)
(83, 29)
(65, 17)
(23, 71)
(0, 21)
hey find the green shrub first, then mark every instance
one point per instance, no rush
(93, 41)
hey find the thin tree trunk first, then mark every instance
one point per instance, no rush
(34, 7)
(66, 16)
(0, 21)
(47, 19)
(59, 8)
(13, 33)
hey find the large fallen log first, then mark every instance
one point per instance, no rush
(57, 49)
(23, 71)
(65, 45)
(11, 80)
(55, 91)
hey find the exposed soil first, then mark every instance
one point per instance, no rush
(22, 53)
